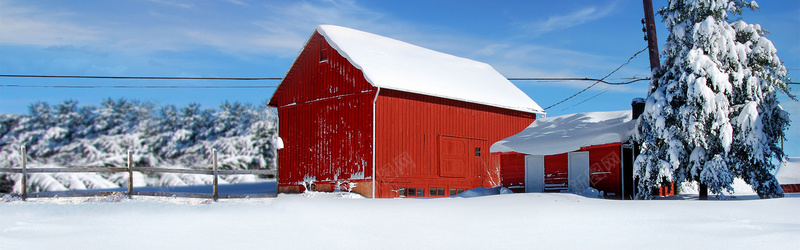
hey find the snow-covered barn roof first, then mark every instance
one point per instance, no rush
(392, 64)
(789, 171)
(567, 133)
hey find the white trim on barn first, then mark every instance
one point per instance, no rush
(534, 173)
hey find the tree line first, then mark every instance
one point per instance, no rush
(68, 134)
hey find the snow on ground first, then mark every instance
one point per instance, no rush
(741, 190)
(344, 221)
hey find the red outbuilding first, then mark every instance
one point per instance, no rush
(788, 175)
(385, 118)
(572, 153)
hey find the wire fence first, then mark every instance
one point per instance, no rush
(24, 170)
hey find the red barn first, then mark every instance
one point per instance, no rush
(788, 175)
(571, 153)
(385, 118)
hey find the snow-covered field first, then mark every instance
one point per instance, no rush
(343, 221)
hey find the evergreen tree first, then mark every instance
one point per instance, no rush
(712, 112)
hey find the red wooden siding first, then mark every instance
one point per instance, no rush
(325, 110)
(513, 171)
(420, 140)
(604, 168)
(556, 175)
(791, 188)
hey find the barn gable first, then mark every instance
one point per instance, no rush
(392, 64)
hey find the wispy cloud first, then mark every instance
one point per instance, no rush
(531, 60)
(575, 18)
(237, 2)
(173, 3)
(290, 25)
(277, 28)
(30, 26)
(280, 29)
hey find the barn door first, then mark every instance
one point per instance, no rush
(534, 173)
(461, 157)
(578, 169)
(627, 171)
(452, 157)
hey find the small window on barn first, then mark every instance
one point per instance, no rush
(478, 152)
(433, 191)
(460, 190)
(453, 191)
(412, 192)
(323, 55)
(440, 192)
(420, 192)
(401, 192)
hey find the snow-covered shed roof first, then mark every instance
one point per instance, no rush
(392, 64)
(567, 133)
(789, 171)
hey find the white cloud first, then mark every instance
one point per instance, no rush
(237, 2)
(31, 26)
(581, 16)
(173, 3)
(281, 28)
(290, 25)
(278, 28)
(540, 61)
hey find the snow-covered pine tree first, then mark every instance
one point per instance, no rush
(712, 112)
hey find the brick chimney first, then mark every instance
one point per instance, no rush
(637, 107)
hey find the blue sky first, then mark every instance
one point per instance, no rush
(248, 38)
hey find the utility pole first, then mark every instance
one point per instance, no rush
(650, 34)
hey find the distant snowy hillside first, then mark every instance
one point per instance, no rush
(69, 135)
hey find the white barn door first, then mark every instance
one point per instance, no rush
(534, 173)
(578, 171)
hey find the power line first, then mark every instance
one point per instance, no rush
(541, 79)
(587, 99)
(278, 78)
(553, 79)
(601, 79)
(150, 77)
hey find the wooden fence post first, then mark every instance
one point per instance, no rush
(214, 162)
(130, 175)
(24, 173)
